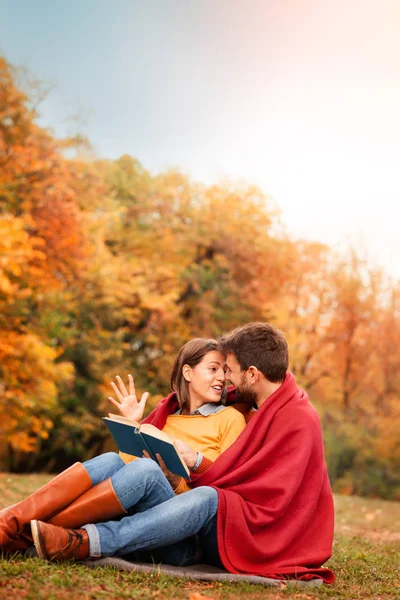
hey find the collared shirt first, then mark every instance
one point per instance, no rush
(206, 409)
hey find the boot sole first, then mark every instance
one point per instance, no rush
(36, 539)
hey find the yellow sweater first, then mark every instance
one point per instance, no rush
(209, 435)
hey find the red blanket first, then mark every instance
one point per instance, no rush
(275, 510)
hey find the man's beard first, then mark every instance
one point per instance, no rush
(245, 394)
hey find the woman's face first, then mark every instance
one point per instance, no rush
(206, 379)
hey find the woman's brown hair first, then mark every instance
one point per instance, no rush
(190, 354)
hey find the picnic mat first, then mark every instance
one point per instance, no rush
(198, 572)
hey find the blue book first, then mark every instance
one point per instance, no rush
(132, 438)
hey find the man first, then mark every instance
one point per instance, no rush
(265, 505)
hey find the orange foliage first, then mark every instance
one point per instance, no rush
(105, 269)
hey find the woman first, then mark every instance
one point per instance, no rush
(105, 487)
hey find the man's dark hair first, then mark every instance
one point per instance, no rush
(261, 346)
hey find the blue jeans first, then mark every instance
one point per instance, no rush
(162, 525)
(140, 484)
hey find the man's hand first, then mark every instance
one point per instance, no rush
(188, 454)
(127, 403)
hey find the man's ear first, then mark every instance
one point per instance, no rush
(187, 372)
(253, 374)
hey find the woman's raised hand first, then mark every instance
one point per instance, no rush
(127, 402)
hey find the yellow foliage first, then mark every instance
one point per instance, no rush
(106, 269)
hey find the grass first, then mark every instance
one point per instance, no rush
(366, 560)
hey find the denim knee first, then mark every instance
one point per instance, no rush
(206, 495)
(145, 468)
(111, 461)
(141, 484)
(103, 466)
(113, 458)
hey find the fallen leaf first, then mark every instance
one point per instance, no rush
(370, 516)
(197, 596)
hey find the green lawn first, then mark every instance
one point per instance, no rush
(366, 560)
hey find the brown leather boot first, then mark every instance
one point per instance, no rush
(57, 543)
(97, 505)
(21, 543)
(44, 503)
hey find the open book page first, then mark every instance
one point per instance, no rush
(145, 428)
(155, 432)
(123, 419)
(132, 438)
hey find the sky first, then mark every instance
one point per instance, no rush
(300, 97)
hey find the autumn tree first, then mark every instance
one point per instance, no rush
(107, 269)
